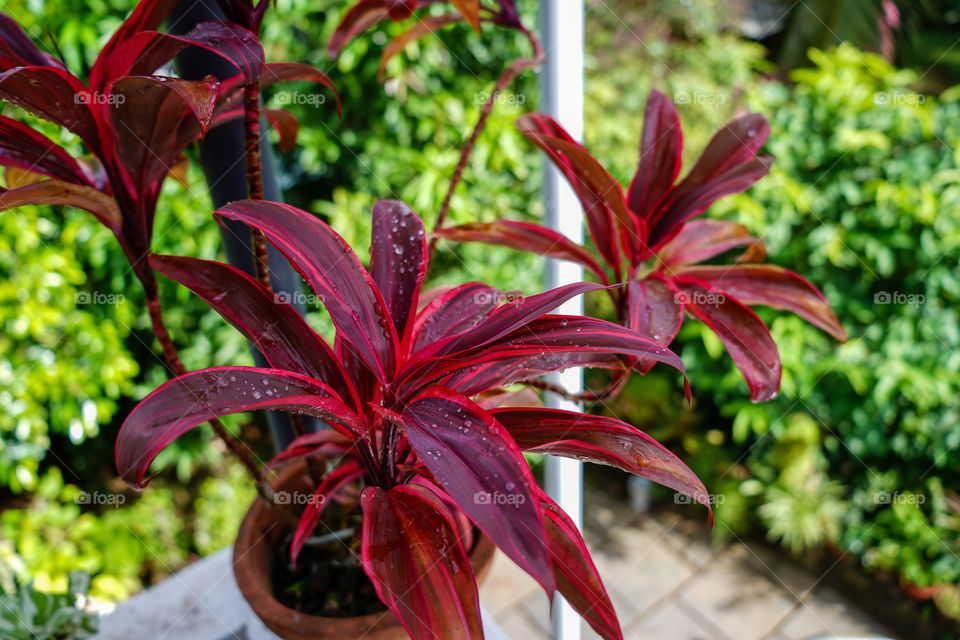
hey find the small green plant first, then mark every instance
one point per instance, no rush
(29, 614)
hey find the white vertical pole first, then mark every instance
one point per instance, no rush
(561, 28)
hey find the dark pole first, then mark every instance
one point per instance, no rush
(223, 161)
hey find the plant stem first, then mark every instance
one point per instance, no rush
(251, 109)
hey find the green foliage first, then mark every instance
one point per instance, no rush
(864, 200)
(29, 614)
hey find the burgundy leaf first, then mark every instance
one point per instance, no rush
(413, 554)
(661, 150)
(525, 237)
(326, 443)
(453, 312)
(398, 260)
(231, 91)
(18, 50)
(55, 95)
(363, 15)
(772, 286)
(145, 52)
(286, 125)
(742, 333)
(509, 317)
(482, 469)
(578, 580)
(700, 240)
(505, 368)
(326, 261)
(147, 16)
(330, 484)
(470, 9)
(190, 400)
(263, 317)
(22, 147)
(654, 314)
(600, 195)
(602, 440)
(67, 194)
(424, 26)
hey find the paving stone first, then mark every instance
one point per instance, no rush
(824, 612)
(638, 568)
(737, 598)
(507, 585)
(671, 622)
(517, 626)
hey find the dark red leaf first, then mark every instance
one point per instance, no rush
(67, 194)
(55, 95)
(470, 10)
(482, 469)
(600, 195)
(147, 16)
(363, 15)
(602, 440)
(654, 313)
(326, 443)
(18, 50)
(772, 286)
(700, 240)
(334, 272)
(413, 553)
(286, 125)
(661, 151)
(22, 147)
(398, 260)
(424, 26)
(263, 317)
(454, 311)
(331, 483)
(231, 91)
(742, 333)
(578, 580)
(190, 400)
(525, 237)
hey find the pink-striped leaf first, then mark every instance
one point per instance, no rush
(67, 194)
(602, 440)
(326, 443)
(578, 580)
(772, 286)
(654, 314)
(483, 470)
(190, 400)
(363, 15)
(22, 147)
(743, 334)
(263, 317)
(413, 554)
(525, 237)
(453, 312)
(661, 151)
(331, 483)
(147, 16)
(426, 25)
(398, 260)
(55, 95)
(700, 240)
(333, 271)
(600, 195)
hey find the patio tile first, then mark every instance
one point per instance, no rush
(507, 585)
(671, 622)
(825, 612)
(734, 596)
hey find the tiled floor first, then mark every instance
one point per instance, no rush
(668, 583)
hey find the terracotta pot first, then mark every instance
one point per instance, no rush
(253, 555)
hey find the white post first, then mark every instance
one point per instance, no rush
(561, 28)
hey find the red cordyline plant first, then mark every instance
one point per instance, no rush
(647, 238)
(413, 388)
(501, 13)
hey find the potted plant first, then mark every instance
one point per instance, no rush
(423, 463)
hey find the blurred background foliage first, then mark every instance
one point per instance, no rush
(860, 453)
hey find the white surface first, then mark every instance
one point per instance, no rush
(202, 602)
(561, 29)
